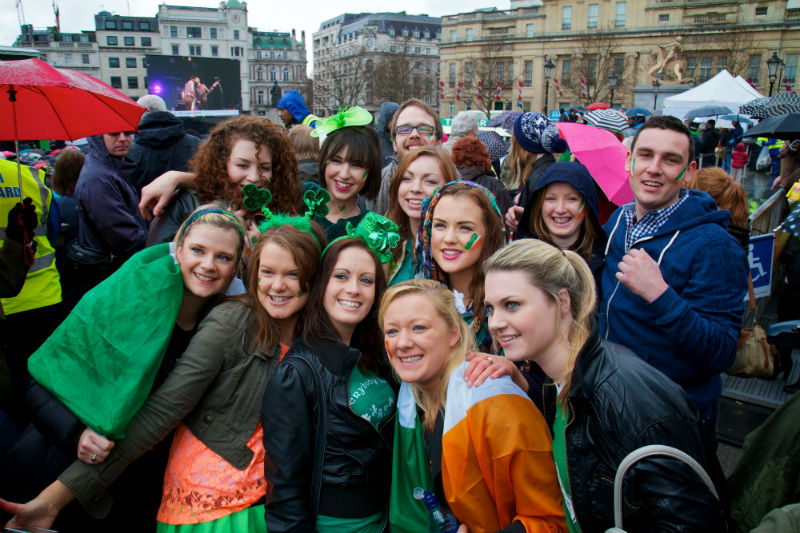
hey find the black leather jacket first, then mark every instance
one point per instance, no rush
(619, 403)
(321, 458)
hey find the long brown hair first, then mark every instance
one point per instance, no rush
(395, 213)
(210, 163)
(521, 163)
(367, 336)
(305, 249)
(727, 193)
(590, 232)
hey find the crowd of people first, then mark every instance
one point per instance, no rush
(363, 328)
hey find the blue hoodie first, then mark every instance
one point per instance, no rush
(690, 332)
(293, 102)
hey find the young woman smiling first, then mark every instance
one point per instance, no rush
(214, 479)
(486, 452)
(418, 175)
(461, 227)
(541, 302)
(331, 402)
(238, 151)
(563, 212)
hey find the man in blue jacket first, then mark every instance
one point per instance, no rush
(293, 110)
(674, 283)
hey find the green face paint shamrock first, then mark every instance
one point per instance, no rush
(255, 198)
(317, 202)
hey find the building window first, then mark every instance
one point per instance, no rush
(173, 31)
(594, 11)
(528, 74)
(285, 73)
(215, 51)
(237, 51)
(415, 34)
(84, 59)
(130, 62)
(468, 36)
(619, 66)
(195, 50)
(146, 41)
(144, 26)
(691, 65)
(405, 33)
(591, 71)
(133, 82)
(128, 41)
(286, 55)
(528, 30)
(722, 63)
(619, 17)
(393, 48)
(213, 32)
(566, 18)
(273, 74)
(705, 68)
(452, 79)
(110, 25)
(260, 97)
(452, 36)
(260, 74)
(175, 49)
(272, 55)
(427, 51)
(500, 71)
(754, 68)
(116, 82)
(663, 18)
(790, 71)
(194, 32)
(111, 40)
(452, 108)
(127, 25)
(113, 62)
(468, 105)
(467, 73)
(235, 35)
(566, 66)
(67, 59)
(761, 11)
(391, 32)
(427, 35)
(417, 49)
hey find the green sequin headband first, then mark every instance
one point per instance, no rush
(257, 199)
(352, 116)
(379, 234)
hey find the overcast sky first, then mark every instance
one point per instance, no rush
(78, 15)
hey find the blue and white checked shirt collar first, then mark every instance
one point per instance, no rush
(651, 222)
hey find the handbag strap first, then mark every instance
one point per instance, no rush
(751, 293)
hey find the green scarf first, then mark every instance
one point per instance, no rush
(102, 360)
(410, 469)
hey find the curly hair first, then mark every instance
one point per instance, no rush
(211, 160)
(471, 152)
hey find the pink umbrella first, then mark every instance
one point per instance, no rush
(603, 155)
(594, 106)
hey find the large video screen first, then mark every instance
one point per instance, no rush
(195, 83)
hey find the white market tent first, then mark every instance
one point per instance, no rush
(722, 89)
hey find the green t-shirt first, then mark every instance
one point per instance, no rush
(560, 457)
(371, 397)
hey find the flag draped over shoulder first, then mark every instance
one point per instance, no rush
(497, 458)
(410, 469)
(102, 360)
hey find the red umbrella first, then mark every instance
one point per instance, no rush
(594, 106)
(603, 155)
(44, 102)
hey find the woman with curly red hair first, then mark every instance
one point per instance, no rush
(238, 151)
(471, 158)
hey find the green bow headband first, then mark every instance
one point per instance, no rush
(352, 116)
(379, 234)
(256, 198)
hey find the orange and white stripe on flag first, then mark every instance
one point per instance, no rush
(497, 458)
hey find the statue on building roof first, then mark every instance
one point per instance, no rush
(668, 64)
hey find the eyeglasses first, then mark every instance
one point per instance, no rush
(123, 133)
(422, 129)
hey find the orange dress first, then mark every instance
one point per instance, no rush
(200, 486)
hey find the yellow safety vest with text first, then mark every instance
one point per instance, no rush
(42, 284)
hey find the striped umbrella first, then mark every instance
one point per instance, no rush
(782, 104)
(607, 119)
(755, 108)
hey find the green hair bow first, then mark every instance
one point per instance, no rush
(379, 234)
(352, 116)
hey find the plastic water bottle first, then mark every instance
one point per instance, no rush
(441, 521)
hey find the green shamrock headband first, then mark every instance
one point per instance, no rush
(352, 116)
(379, 234)
(256, 199)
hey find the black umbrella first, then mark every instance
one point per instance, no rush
(783, 127)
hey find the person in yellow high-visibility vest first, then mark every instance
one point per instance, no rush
(35, 312)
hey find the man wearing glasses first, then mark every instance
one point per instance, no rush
(414, 124)
(110, 228)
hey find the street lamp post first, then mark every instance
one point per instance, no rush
(549, 66)
(656, 85)
(612, 82)
(772, 69)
